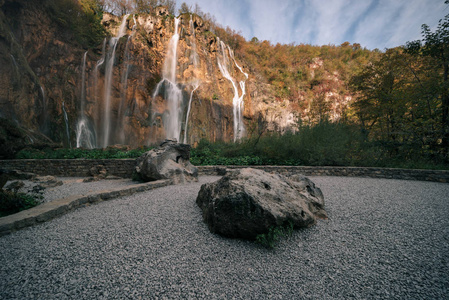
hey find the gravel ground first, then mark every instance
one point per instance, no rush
(73, 186)
(384, 239)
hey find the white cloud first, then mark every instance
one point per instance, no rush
(371, 23)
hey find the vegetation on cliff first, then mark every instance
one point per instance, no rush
(353, 106)
(82, 18)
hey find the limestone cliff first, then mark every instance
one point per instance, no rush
(120, 91)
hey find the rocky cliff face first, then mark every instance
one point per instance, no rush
(135, 88)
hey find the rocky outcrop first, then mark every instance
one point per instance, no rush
(247, 202)
(42, 76)
(169, 161)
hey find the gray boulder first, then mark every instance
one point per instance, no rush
(247, 202)
(169, 161)
(15, 186)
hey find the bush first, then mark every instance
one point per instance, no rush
(274, 234)
(324, 144)
(82, 18)
(11, 203)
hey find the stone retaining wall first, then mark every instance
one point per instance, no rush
(70, 167)
(124, 168)
(406, 174)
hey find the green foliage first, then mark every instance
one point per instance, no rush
(436, 45)
(398, 105)
(11, 203)
(323, 144)
(82, 18)
(292, 70)
(145, 6)
(108, 153)
(136, 177)
(274, 234)
(185, 9)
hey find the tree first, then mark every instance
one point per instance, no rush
(185, 9)
(436, 45)
(395, 102)
(118, 7)
(145, 6)
(170, 4)
(197, 10)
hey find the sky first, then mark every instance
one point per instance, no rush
(373, 24)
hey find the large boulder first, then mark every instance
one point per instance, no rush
(169, 161)
(247, 202)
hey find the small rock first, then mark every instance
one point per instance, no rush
(15, 186)
(37, 189)
(91, 179)
(98, 171)
(47, 181)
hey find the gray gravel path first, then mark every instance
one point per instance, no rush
(385, 239)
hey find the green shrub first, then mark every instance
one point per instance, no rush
(82, 18)
(323, 144)
(274, 234)
(11, 203)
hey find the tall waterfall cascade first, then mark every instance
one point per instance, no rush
(44, 122)
(99, 63)
(85, 136)
(67, 128)
(124, 85)
(172, 92)
(108, 82)
(104, 108)
(237, 101)
(195, 83)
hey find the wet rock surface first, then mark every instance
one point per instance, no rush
(248, 202)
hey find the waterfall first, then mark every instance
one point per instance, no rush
(85, 137)
(195, 84)
(194, 55)
(188, 113)
(231, 53)
(97, 66)
(135, 24)
(44, 124)
(108, 81)
(67, 130)
(83, 85)
(84, 133)
(124, 85)
(44, 99)
(172, 93)
(14, 62)
(237, 101)
(239, 109)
